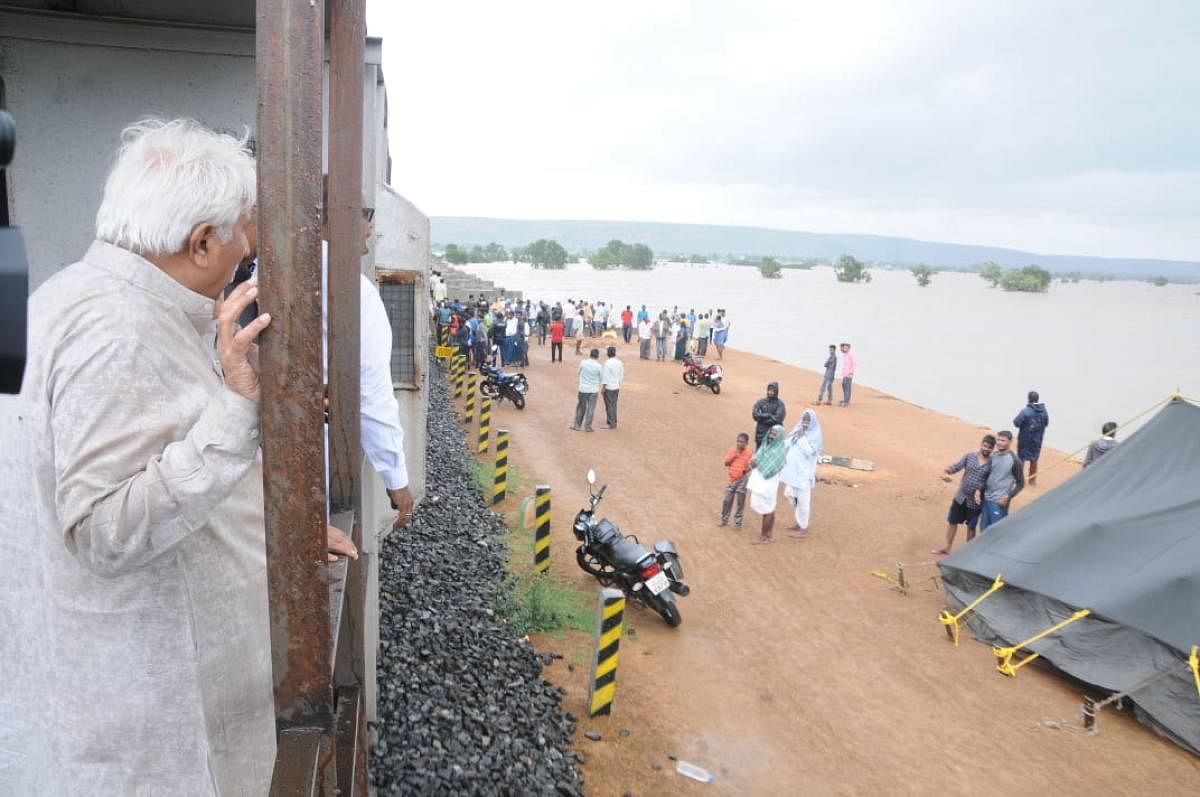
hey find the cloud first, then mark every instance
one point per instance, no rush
(1064, 128)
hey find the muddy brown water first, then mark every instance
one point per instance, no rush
(1096, 351)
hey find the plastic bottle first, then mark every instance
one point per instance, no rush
(694, 772)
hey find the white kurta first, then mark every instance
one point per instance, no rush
(147, 481)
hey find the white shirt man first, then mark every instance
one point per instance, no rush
(590, 376)
(381, 434)
(613, 375)
(643, 330)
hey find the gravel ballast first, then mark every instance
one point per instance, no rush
(463, 708)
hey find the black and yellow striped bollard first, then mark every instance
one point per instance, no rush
(469, 410)
(610, 624)
(485, 423)
(444, 336)
(541, 528)
(500, 486)
(460, 369)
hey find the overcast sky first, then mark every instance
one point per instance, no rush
(1056, 127)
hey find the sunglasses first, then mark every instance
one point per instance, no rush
(368, 214)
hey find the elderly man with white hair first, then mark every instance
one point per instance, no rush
(147, 474)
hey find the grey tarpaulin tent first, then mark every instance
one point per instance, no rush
(1122, 539)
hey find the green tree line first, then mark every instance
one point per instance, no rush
(618, 253)
(492, 253)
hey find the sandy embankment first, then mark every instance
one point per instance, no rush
(795, 671)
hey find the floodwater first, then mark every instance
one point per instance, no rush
(1096, 351)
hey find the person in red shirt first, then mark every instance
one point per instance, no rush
(737, 459)
(556, 339)
(627, 322)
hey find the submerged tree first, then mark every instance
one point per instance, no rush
(618, 253)
(769, 267)
(546, 254)
(923, 273)
(1031, 279)
(848, 269)
(454, 254)
(991, 272)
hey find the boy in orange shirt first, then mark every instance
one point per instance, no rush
(737, 460)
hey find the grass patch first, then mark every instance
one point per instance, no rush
(483, 474)
(530, 602)
(541, 603)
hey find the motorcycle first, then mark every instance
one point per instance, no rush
(697, 374)
(617, 560)
(500, 385)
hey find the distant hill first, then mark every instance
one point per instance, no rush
(708, 240)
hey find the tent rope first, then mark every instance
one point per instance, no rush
(1151, 408)
(1091, 708)
(1005, 654)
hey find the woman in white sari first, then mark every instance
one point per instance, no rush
(800, 473)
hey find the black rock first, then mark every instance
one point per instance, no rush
(593, 735)
(462, 705)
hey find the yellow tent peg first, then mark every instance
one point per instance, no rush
(1006, 666)
(951, 621)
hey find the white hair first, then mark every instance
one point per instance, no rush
(169, 177)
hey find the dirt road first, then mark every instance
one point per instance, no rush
(795, 671)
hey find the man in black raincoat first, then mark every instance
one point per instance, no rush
(767, 412)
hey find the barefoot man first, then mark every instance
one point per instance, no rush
(968, 500)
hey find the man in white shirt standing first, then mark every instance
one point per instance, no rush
(613, 374)
(381, 434)
(644, 338)
(590, 375)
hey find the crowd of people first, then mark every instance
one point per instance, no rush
(502, 330)
(476, 325)
(992, 476)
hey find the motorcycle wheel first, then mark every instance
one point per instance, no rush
(664, 604)
(517, 399)
(690, 378)
(601, 571)
(715, 388)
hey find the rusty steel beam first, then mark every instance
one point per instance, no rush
(351, 743)
(347, 36)
(304, 765)
(289, 59)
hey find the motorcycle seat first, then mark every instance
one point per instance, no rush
(619, 551)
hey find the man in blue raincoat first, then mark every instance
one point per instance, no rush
(1031, 423)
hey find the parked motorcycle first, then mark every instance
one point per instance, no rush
(616, 560)
(500, 385)
(697, 374)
